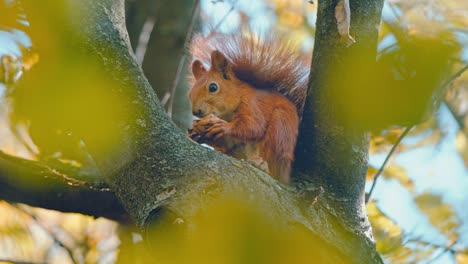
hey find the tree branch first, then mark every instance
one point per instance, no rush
(377, 175)
(448, 247)
(458, 119)
(37, 184)
(221, 21)
(455, 76)
(329, 153)
(49, 231)
(145, 34)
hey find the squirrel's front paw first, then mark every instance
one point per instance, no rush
(218, 130)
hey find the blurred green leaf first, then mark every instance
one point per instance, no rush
(229, 231)
(401, 89)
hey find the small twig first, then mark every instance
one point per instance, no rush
(448, 247)
(215, 28)
(379, 172)
(445, 250)
(452, 111)
(172, 91)
(394, 11)
(143, 39)
(458, 119)
(19, 133)
(165, 98)
(52, 234)
(170, 96)
(410, 238)
(455, 76)
(382, 51)
(399, 30)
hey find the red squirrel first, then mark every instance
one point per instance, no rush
(249, 93)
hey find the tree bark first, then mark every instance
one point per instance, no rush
(40, 185)
(155, 168)
(330, 153)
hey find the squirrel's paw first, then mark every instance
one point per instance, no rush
(218, 130)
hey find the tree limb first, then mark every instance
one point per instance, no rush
(36, 184)
(458, 118)
(379, 172)
(330, 153)
(52, 233)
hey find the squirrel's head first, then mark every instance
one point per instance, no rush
(215, 91)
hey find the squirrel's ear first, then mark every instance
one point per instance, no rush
(221, 64)
(197, 69)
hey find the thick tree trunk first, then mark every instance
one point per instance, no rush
(330, 153)
(155, 168)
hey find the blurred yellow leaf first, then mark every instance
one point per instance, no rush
(398, 173)
(371, 172)
(461, 144)
(433, 138)
(440, 215)
(290, 18)
(279, 3)
(30, 58)
(384, 141)
(387, 234)
(462, 258)
(390, 239)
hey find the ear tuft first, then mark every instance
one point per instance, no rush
(221, 64)
(197, 69)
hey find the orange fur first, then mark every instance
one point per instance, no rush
(261, 86)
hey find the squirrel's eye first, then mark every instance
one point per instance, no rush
(213, 87)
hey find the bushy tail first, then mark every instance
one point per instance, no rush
(263, 61)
